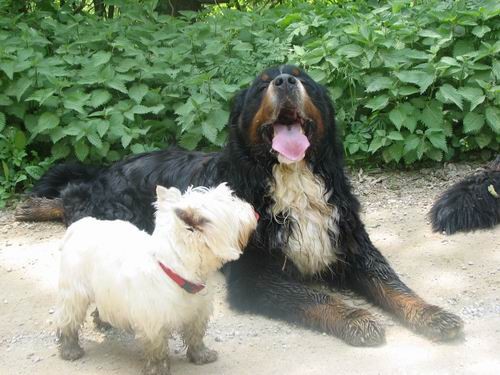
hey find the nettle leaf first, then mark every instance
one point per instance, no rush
(350, 50)
(437, 139)
(117, 85)
(34, 171)
(474, 95)
(218, 118)
(496, 69)
(94, 139)
(41, 96)
(493, 118)
(99, 97)
(398, 117)
(2, 121)
(47, 120)
(5, 100)
(432, 114)
(76, 100)
(451, 95)
(60, 150)
(101, 126)
(395, 136)
(100, 58)
(81, 150)
(394, 152)
(125, 140)
(411, 143)
(8, 67)
(137, 92)
(377, 103)
(209, 132)
(379, 83)
(473, 122)
(434, 154)
(419, 78)
(21, 86)
(483, 139)
(375, 144)
(190, 140)
(479, 31)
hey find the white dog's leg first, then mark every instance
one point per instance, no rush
(156, 355)
(71, 311)
(193, 334)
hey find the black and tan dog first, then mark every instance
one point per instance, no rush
(472, 203)
(283, 156)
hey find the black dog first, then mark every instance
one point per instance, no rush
(283, 155)
(472, 203)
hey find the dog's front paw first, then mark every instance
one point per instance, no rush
(158, 367)
(362, 329)
(439, 324)
(202, 356)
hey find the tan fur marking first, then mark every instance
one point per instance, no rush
(356, 326)
(314, 114)
(266, 112)
(302, 198)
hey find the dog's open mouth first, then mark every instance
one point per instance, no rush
(288, 135)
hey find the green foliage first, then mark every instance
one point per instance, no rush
(411, 81)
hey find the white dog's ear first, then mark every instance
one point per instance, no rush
(191, 217)
(170, 195)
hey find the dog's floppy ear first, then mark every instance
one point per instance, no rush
(192, 219)
(170, 195)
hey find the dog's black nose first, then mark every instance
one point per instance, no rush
(285, 81)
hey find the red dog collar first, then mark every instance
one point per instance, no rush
(188, 286)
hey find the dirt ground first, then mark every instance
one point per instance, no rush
(461, 273)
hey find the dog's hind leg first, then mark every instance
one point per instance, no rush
(192, 335)
(71, 311)
(370, 274)
(156, 356)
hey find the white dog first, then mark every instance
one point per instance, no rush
(153, 284)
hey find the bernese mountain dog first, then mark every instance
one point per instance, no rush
(283, 156)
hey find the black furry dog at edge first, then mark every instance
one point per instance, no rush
(283, 156)
(470, 204)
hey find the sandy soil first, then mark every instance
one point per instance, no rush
(461, 273)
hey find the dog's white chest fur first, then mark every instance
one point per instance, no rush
(301, 198)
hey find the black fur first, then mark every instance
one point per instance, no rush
(470, 204)
(262, 280)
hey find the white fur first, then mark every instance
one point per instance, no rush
(115, 265)
(303, 199)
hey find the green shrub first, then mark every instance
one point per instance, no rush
(410, 81)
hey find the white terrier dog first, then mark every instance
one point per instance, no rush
(149, 283)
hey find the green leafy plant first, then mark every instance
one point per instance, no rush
(411, 80)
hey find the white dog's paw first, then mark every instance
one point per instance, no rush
(202, 356)
(161, 367)
(71, 352)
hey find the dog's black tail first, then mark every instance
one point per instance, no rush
(44, 202)
(472, 203)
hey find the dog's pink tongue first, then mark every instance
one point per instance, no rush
(290, 142)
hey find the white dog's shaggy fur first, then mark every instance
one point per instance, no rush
(116, 265)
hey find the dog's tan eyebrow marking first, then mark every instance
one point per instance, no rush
(265, 77)
(295, 72)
